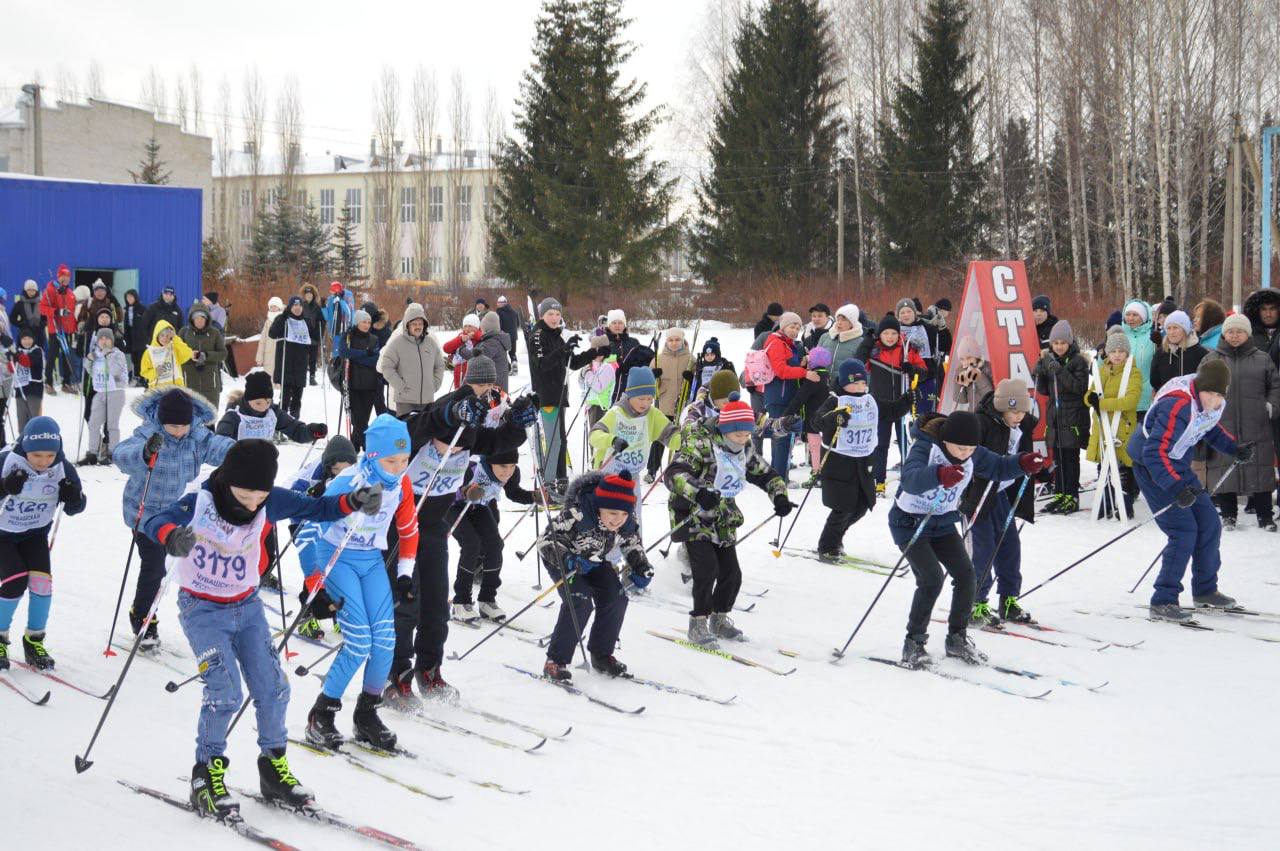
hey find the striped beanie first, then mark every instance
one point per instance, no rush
(616, 491)
(736, 416)
(640, 382)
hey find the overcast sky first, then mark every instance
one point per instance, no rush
(334, 48)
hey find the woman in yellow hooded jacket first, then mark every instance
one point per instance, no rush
(162, 361)
(1120, 395)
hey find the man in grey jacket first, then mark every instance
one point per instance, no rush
(412, 363)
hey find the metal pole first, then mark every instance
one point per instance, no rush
(1268, 133)
(37, 127)
(1237, 218)
(840, 221)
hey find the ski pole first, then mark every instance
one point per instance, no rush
(924, 521)
(777, 553)
(303, 670)
(1004, 528)
(133, 543)
(57, 520)
(172, 686)
(461, 514)
(520, 519)
(758, 527)
(83, 762)
(1131, 529)
(504, 624)
(1148, 570)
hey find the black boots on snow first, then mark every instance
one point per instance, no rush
(369, 727)
(33, 649)
(960, 646)
(606, 664)
(321, 729)
(277, 782)
(914, 654)
(209, 793)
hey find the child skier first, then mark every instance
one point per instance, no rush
(213, 537)
(291, 334)
(945, 455)
(1182, 413)
(109, 376)
(162, 361)
(339, 454)
(850, 425)
(1006, 425)
(599, 516)
(28, 377)
(713, 396)
(624, 435)
(163, 456)
(1118, 402)
(704, 478)
(357, 583)
(1062, 374)
(596, 380)
(710, 361)
(34, 477)
(253, 414)
(475, 511)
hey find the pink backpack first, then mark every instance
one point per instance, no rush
(757, 369)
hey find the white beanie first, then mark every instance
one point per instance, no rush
(616, 315)
(274, 304)
(471, 320)
(850, 312)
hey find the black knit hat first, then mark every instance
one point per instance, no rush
(250, 463)
(508, 456)
(889, 323)
(1213, 376)
(1041, 302)
(962, 428)
(338, 450)
(774, 309)
(257, 385)
(943, 303)
(175, 408)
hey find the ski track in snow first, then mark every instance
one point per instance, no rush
(1177, 752)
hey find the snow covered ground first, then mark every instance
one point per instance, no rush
(1178, 751)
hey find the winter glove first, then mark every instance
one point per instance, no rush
(367, 499)
(1091, 399)
(618, 446)
(180, 541)
(1187, 496)
(657, 372)
(687, 375)
(198, 357)
(318, 430)
(523, 411)
(571, 344)
(69, 492)
(784, 425)
(1244, 452)
(1032, 462)
(950, 475)
(580, 564)
(469, 412)
(781, 505)
(404, 589)
(472, 492)
(14, 482)
(322, 605)
(707, 499)
(152, 448)
(641, 570)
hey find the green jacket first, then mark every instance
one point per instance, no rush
(694, 467)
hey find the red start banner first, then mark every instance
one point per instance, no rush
(995, 312)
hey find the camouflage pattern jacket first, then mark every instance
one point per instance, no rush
(576, 530)
(694, 467)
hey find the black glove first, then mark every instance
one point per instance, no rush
(781, 505)
(523, 411)
(318, 430)
(1187, 496)
(1244, 452)
(367, 499)
(322, 605)
(152, 447)
(687, 375)
(619, 446)
(198, 357)
(707, 499)
(404, 588)
(180, 542)
(1091, 399)
(69, 492)
(14, 482)
(641, 570)
(657, 372)
(571, 344)
(469, 412)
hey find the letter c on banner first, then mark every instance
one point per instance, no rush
(1002, 284)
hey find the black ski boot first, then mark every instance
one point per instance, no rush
(432, 686)
(321, 730)
(33, 649)
(4, 651)
(1012, 612)
(277, 782)
(151, 640)
(209, 793)
(398, 694)
(606, 664)
(914, 654)
(722, 627)
(1214, 600)
(960, 646)
(90, 458)
(369, 727)
(1169, 612)
(556, 671)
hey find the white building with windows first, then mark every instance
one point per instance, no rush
(437, 216)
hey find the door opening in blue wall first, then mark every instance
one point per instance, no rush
(118, 281)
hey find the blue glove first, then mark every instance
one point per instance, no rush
(641, 570)
(469, 412)
(580, 564)
(524, 411)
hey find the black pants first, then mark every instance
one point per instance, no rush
(880, 457)
(4, 407)
(362, 402)
(291, 399)
(838, 522)
(422, 624)
(1066, 478)
(150, 573)
(19, 558)
(655, 458)
(313, 356)
(481, 545)
(600, 591)
(717, 577)
(930, 560)
(1228, 505)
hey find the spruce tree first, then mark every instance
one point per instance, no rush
(348, 253)
(929, 203)
(768, 202)
(579, 204)
(315, 251)
(151, 169)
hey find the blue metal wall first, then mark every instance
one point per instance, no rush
(154, 229)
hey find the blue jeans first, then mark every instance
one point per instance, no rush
(781, 446)
(1008, 559)
(1194, 535)
(230, 640)
(367, 619)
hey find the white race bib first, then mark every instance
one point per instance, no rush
(858, 438)
(731, 472)
(938, 499)
(635, 431)
(260, 428)
(224, 561)
(35, 506)
(103, 382)
(490, 487)
(21, 375)
(296, 331)
(370, 530)
(424, 464)
(162, 363)
(918, 338)
(1015, 437)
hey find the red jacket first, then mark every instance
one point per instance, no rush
(58, 308)
(780, 348)
(459, 369)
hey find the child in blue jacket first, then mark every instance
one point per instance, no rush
(1183, 412)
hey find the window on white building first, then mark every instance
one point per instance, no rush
(300, 198)
(434, 266)
(435, 207)
(326, 206)
(246, 233)
(379, 206)
(246, 198)
(463, 202)
(464, 265)
(354, 205)
(408, 204)
(488, 200)
(406, 266)
(273, 196)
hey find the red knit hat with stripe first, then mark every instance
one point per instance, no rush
(617, 491)
(736, 416)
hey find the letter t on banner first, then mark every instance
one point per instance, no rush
(995, 312)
